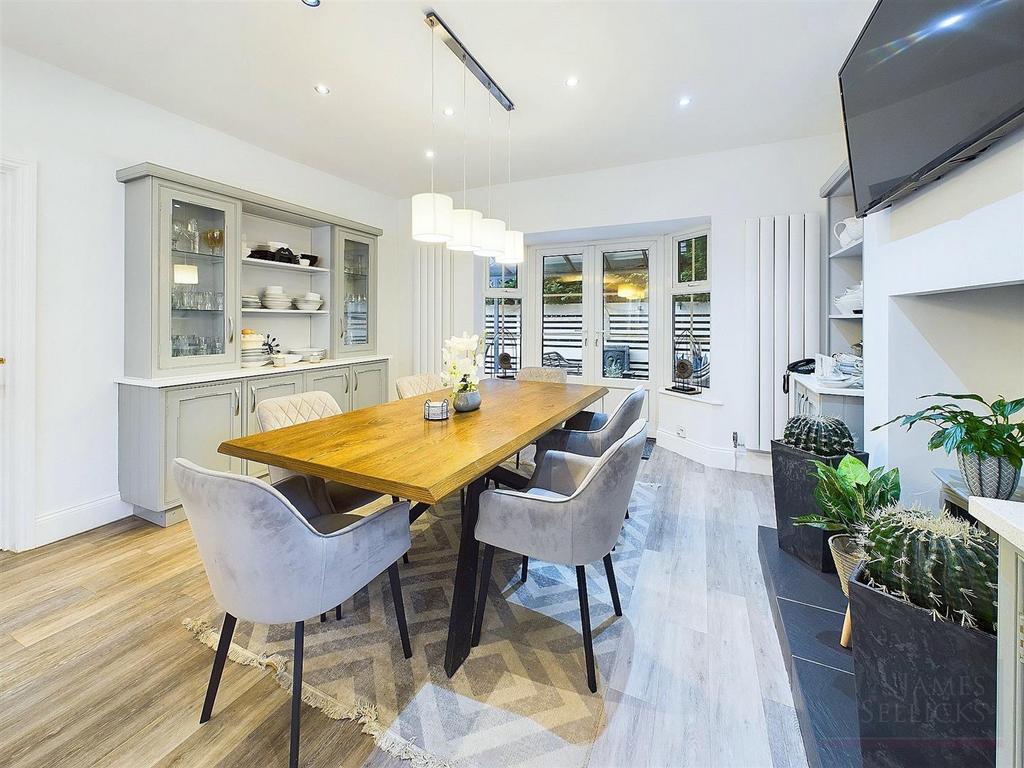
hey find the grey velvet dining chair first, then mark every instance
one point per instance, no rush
(542, 374)
(601, 430)
(269, 564)
(287, 410)
(570, 513)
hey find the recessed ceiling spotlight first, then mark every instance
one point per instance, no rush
(684, 102)
(429, 154)
(449, 112)
(322, 89)
(311, 3)
(572, 81)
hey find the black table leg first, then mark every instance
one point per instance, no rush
(508, 478)
(460, 624)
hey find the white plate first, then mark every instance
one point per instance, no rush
(259, 364)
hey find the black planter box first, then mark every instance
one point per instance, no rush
(794, 480)
(926, 689)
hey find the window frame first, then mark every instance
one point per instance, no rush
(692, 286)
(504, 293)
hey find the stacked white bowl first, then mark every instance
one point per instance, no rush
(309, 303)
(251, 301)
(274, 297)
(253, 353)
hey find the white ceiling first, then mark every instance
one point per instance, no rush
(756, 72)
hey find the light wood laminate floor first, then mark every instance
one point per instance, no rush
(96, 669)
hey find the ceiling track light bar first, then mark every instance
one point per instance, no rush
(468, 60)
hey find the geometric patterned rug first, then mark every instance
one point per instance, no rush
(520, 699)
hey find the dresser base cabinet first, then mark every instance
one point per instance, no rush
(157, 425)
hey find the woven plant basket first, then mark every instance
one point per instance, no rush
(847, 555)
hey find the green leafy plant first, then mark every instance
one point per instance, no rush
(939, 563)
(849, 493)
(963, 430)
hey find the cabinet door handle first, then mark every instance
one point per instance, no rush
(346, 382)
(356, 387)
(252, 396)
(231, 330)
(238, 402)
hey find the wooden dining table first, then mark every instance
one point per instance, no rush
(393, 450)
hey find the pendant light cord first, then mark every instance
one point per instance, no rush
(490, 137)
(465, 134)
(509, 139)
(433, 150)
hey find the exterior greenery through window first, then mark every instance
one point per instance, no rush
(692, 259)
(503, 315)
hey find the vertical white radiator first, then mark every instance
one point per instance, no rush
(433, 300)
(783, 254)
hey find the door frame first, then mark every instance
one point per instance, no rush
(591, 250)
(18, 211)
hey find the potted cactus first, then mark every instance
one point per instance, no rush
(806, 439)
(924, 643)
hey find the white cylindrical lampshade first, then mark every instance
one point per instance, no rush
(492, 238)
(513, 248)
(432, 217)
(465, 230)
(186, 274)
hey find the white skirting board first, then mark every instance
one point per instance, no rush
(62, 523)
(784, 254)
(756, 462)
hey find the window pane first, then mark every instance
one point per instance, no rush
(502, 275)
(692, 259)
(625, 321)
(685, 259)
(562, 319)
(691, 340)
(503, 335)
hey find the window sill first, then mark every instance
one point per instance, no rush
(701, 398)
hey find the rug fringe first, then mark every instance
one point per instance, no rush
(365, 714)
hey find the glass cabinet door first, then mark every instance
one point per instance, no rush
(198, 284)
(357, 288)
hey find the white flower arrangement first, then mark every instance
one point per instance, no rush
(462, 358)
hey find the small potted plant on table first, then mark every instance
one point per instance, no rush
(846, 497)
(924, 643)
(989, 448)
(805, 440)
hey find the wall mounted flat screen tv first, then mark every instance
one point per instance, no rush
(929, 84)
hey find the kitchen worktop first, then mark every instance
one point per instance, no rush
(1004, 517)
(230, 374)
(810, 381)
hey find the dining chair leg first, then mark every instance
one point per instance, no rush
(323, 617)
(293, 752)
(588, 641)
(627, 514)
(405, 558)
(396, 596)
(227, 630)
(481, 600)
(337, 612)
(517, 461)
(612, 586)
(526, 567)
(462, 500)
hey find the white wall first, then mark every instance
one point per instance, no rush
(726, 186)
(80, 133)
(944, 304)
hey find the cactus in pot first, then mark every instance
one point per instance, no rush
(939, 563)
(820, 435)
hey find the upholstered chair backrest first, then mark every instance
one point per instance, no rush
(418, 384)
(264, 562)
(603, 496)
(277, 412)
(552, 375)
(623, 417)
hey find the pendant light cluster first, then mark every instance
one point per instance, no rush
(466, 230)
